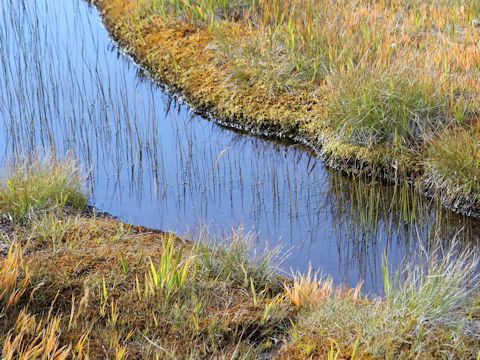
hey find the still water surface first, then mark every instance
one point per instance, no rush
(65, 88)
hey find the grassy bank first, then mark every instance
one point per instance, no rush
(77, 285)
(386, 89)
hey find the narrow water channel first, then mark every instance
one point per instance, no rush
(66, 89)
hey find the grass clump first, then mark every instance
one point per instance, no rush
(14, 278)
(172, 272)
(232, 260)
(33, 187)
(33, 339)
(454, 164)
(309, 290)
(382, 109)
(435, 301)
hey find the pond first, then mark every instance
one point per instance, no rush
(65, 88)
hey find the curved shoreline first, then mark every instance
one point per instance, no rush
(352, 160)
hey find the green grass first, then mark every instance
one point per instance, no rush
(454, 162)
(231, 260)
(373, 109)
(201, 11)
(32, 187)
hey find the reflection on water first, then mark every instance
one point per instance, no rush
(65, 88)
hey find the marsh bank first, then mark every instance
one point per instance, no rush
(195, 55)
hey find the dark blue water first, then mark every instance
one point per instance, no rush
(66, 89)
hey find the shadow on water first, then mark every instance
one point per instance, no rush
(66, 89)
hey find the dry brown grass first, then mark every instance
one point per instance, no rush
(310, 289)
(14, 278)
(33, 339)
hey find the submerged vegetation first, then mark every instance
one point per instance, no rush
(78, 285)
(376, 88)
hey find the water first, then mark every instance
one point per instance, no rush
(65, 88)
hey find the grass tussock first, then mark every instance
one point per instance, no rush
(233, 261)
(309, 290)
(367, 84)
(91, 287)
(454, 163)
(33, 187)
(382, 109)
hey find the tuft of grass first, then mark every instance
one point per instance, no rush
(33, 187)
(453, 164)
(52, 228)
(310, 289)
(435, 301)
(34, 339)
(14, 278)
(171, 273)
(232, 261)
(382, 109)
